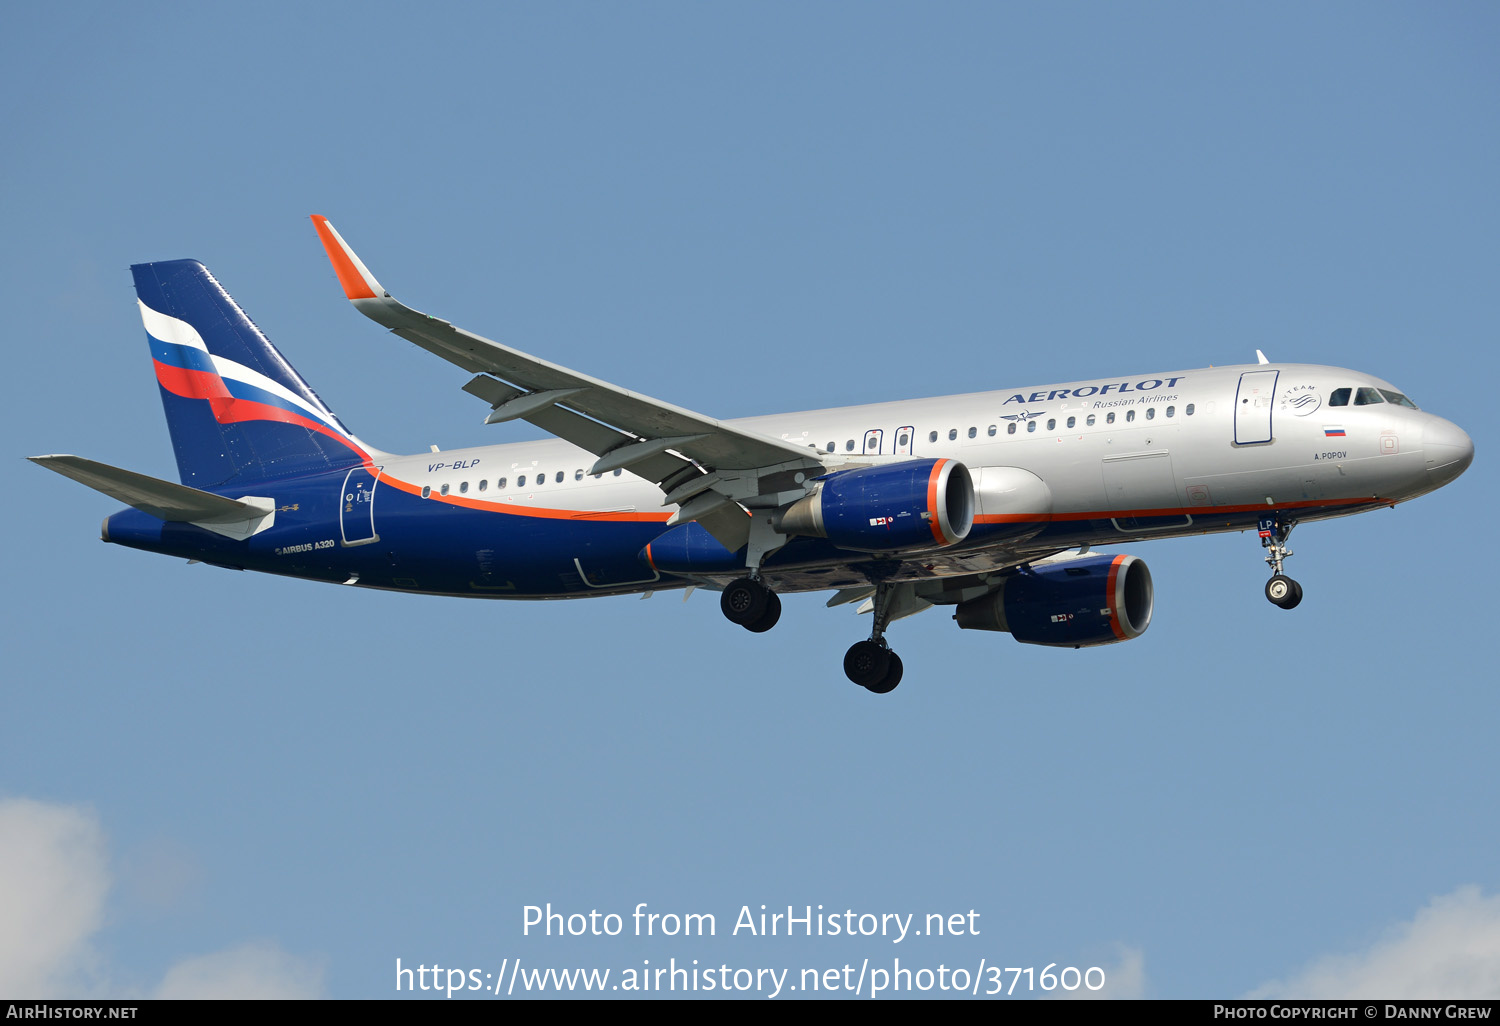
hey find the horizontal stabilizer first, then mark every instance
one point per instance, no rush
(165, 499)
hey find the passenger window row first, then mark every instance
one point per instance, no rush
(1072, 422)
(537, 480)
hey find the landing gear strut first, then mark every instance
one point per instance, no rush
(751, 604)
(871, 664)
(1281, 590)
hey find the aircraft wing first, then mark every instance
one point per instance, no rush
(626, 430)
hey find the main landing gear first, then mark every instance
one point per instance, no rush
(1281, 590)
(871, 664)
(751, 604)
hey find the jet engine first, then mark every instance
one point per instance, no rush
(916, 504)
(1074, 602)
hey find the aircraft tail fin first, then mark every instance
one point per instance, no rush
(237, 410)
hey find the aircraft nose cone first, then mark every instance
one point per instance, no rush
(1449, 450)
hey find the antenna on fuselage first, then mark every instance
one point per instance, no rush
(1260, 357)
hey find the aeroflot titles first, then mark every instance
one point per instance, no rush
(1150, 384)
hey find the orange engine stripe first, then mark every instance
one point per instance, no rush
(353, 282)
(932, 499)
(1114, 605)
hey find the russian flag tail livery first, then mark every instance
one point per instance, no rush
(236, 409)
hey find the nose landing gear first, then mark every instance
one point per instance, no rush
(1281, 590)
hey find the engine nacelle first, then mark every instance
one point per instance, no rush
(1069, 603)
(916, 504)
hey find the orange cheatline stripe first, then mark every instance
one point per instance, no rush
(539, 512)
(1199, 512)
(355, 286)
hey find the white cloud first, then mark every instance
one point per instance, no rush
(1450, 950)
(1125, 979)
(54, 880)
(251, 971)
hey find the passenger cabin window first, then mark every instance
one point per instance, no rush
(1189, 410)
(973, 432)
(1011, 428)
(953, 434)
(1340, 397)
(1051, 424)
(483, 484)
(1031, 425)
(444, 489)
(618, 473)
(1129, 416)
(849, 445)
(521, 481)
(541, 479)
(463, 488)
(1151, 413)
(1109, 418)
(426, 491)
(578, 474)
(902, 439)
(932, 436)
(992, 431)
(560, 476)
(830, 447)
(1090, 421)
(500, 484)
(1072, 421)
(1171, 411)
(1368, 397)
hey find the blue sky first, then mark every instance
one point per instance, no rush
(218, 783)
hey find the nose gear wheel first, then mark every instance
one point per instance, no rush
(1281, 590)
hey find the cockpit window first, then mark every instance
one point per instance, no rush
(1397, 398)
(1340, 397)
(1367, 397)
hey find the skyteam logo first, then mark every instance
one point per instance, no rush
(1300, 400)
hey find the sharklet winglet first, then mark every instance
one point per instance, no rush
(353, 275)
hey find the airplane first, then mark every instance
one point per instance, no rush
(989, 503)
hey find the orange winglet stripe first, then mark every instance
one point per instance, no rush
(355, 286)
